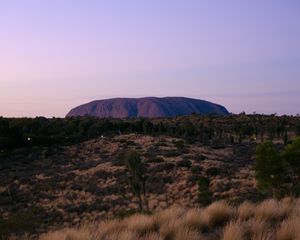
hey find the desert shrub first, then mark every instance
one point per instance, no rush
(200, 158)
(218, 146)
(203, 182)
(3, 229)
(204, 194)
(158, 181)
(277, 173)
(291, 156)
(122, 140)
(124, 213)
(167, 179)
(152, 152)
(179, 144)
(130, 143)
(164, 166)
(102, 174)
(18, 224)
(269, 169)
(184, 151)
(204, 197)
(171, 153)
(193, 178)
(119, 157)
(196, 169)
(213, 171)
(184, 163)
(161, 143)
(155, 160)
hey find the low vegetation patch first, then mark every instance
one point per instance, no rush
(267, 220)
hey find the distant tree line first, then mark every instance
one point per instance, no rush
(209, 130)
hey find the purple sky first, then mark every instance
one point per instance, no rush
(56, 54)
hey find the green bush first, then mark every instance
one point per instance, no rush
(200, 158)
(179, 144)
(171, 153)
(204, 194)
(291, 158)
(196, 169)
(269, 169)
(18, 224)
(184, 163)
(214, 171)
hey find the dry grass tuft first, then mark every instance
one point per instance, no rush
(68, 234)
(124, 235)
(234, 231)
(218, 213)
(152, 236)
(141, 224)
(169, 214)
(187, 234)
(105, 229)
(258, 229)
(289, 229)
(271, 211)
(246, 210)
(168, 230)
(195, 219)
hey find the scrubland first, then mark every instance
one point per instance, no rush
(84, 187)
(73, 185)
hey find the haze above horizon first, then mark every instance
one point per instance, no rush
(58, 54)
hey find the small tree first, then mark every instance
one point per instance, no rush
(285, 136)
(179, 145)
(291, 157)
(269, 169)
(137, 178)
(204, 195)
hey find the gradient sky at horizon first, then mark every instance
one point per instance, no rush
(57, 54)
